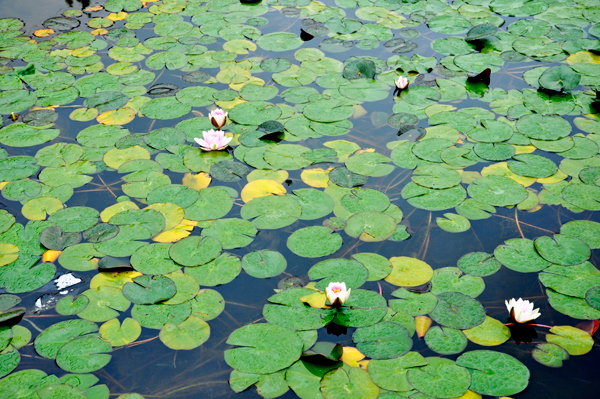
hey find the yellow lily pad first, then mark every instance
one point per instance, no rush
(38, 208)
(409, 272)
(121, 116)
(261, 188)
(317, 177)
(198, 181)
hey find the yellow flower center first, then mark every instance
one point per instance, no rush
(336, 290)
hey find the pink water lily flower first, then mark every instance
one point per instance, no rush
(337, 293)
(522, 310)
(218, 118)
(401, 83)
(213, 140)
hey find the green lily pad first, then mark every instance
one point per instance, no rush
(497, 190)
(148, 290)
(494, 373)
(540, 127)
(435, 176)
(440, 378)
(480, 264)
(120, 334)
(314, 242)
(370, 164)
(531, 165)
(453, 223)
(457, 310)
(349, 383)
(304, 377)
(576, 308)
(264, 264)
(186, 335)
(489, 333)
(22, 135)
(279, 41)
(105, 304)
(433, 199)
(233, 233)
(212, 203)
(207, 304)
(384, 340)
(155, 316)
(363, 308)
(559, 78)
(583, 196)
(563, 250)
(450, 279)
(288, 310)
(68, 306)
(390, 374)
(165, 108)
(153, 259)
(573, 340)
(413, 303)
(272, 211)
(74, 219)
(221, 270)
(49, 342)
(9, 360)
(84, 354)
(54, 238)
(195, 250)
(371, 226)
(350, 272)
(445, 340)
(315, 204)
(550, 355)
(254, 113)
(378, 266)
(264, 348)
(519, 254)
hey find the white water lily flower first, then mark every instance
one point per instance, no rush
(218, 118)
(522, 311)
(401, 83)
(337, 293)
(213, 140)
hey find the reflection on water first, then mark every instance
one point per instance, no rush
(148, 367)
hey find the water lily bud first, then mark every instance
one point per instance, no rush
(522, 311)
(213, 140)
(337, 293)
(401, 83)
(218, 118)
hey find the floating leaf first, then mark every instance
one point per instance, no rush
(186, 335)
(494, 373)
(550, 355)
(573, 340)
(440, 378)
(348, 382)
(409, 272)
(446, 340)
(489, 333)
(314, 242)
(264, 264)
(457, 310)
(264, 348)
(120, 334)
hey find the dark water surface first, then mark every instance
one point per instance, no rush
(151, 369)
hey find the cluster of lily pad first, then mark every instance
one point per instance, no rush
(285, 352)
(161, 241)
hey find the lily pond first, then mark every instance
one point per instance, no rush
(401, 202)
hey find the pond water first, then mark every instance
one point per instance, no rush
(476, 184)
